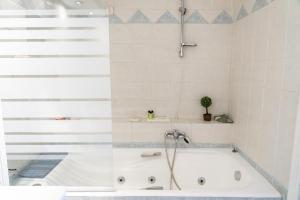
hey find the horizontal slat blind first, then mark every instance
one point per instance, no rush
(57, 66)
(54, 48)
(100, 23)
(59, 126)
(95, 109)
(91, 34)
(55, 87)
(57, 148)
(40, 139)
(55, 82)
(81, 12)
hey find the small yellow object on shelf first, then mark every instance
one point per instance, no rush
(150, 115)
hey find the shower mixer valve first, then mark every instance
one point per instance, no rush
(177, 135)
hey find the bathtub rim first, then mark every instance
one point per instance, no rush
(166, 193)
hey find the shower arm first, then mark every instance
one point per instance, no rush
(183, 44)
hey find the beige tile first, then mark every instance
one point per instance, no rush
(149, 131)
(121, 131)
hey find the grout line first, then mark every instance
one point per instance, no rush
(161, 145)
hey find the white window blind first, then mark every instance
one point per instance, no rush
(56, 94)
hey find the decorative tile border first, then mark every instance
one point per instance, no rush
(139, 17)
(197, 17)
(223, 18)
(280, 188)
(242, 13)
(167, 18)
(257, 5)
(161, 145)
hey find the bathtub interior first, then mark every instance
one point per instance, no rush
(216, 166)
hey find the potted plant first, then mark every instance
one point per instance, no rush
(206, 102)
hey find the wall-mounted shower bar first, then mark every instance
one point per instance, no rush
(183, 44)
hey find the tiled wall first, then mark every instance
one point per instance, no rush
(264, 85)
(147, 72)
(293, 59)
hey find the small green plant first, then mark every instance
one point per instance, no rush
(206, 102)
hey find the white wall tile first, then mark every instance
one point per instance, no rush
(149, 132)
(263, 104)
(121, 131)
(147, 70)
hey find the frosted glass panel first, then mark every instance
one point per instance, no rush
(56, 94)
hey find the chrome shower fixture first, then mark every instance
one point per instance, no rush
(177, 135)
(183, 44)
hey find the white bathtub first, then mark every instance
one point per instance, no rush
(217, 166)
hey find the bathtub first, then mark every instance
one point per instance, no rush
(217, 166)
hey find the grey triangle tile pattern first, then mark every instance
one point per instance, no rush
(223, 18)
(114, 19)
(139, 18)
(196, 18)
(167, 18)
(242, 13)
(258, 4)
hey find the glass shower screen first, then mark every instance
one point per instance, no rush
(55, 92)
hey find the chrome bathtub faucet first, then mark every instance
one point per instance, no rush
(177, 135)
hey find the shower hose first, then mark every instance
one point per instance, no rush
(171, 164)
